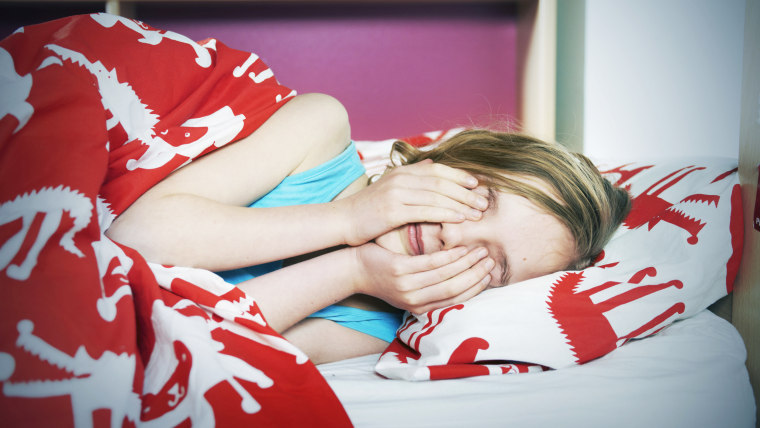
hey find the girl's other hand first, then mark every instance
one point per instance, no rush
(421, 283)
(424, 192)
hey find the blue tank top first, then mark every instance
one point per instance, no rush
(318, 185)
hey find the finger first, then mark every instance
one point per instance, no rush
(406, 214)
(428, 277)
(444, 171)
(421, 198)
(438, 191)
(460, 298)
(455, 284)
(432, 261)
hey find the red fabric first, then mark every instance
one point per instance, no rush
(95, 110)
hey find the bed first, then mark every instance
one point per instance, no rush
(667, 362)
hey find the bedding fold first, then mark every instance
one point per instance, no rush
(95, 110)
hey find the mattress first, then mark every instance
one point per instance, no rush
(690, 374)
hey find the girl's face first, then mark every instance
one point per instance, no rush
(524, 241)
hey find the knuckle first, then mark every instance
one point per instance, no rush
(442, 276)
(439, 185)
(397, 271)
(412, 301)
(404, 285)
(439, 168)
(451, 290)
(398, 176)
(395, 193)
(438, 260)
(439, 199)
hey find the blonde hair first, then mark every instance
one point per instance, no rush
(587, 203)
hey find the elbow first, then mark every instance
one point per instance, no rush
(152, 235)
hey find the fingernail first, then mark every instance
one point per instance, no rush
(472, 181)
(489, 264)
(482, 203)
(475, 214)
(482, 253)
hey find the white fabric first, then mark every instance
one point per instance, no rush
(691, 374)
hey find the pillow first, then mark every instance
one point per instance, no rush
(677, 252)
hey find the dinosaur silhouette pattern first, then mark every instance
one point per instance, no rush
(51, 203)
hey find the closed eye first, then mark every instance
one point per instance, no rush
(493, 200)
(501, 257)
(503, 261)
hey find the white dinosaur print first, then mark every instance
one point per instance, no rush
(51, 60)
(153, 37)
(224, 308)
(138, 121)
(257, 78)
(117, 97)
(240, 70)
(105, 252)
(105, 214)
(15, 90)
(222, 127)
(186, 362)
(210, 44)
(279, 97)
(103, 383)
(52, 202)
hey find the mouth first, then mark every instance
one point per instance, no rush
(414, 232)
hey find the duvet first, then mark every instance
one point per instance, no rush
(95, 110)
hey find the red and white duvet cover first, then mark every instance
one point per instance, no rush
(95, 110)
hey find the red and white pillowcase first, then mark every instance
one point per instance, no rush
(676, 253)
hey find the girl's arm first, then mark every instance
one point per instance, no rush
(417, 284)
(197, 215)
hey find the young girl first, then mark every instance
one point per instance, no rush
(489, 210)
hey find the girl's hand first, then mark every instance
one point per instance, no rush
(424, 192)
(421, 283)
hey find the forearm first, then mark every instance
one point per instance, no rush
(289, 295)
(188, 230)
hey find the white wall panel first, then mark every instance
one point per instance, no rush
(662, 77)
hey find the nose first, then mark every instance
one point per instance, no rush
(453, 235)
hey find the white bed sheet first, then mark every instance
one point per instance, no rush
(691, 374)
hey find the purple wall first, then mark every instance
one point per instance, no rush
(399, 69)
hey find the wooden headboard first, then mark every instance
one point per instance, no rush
(745, 313)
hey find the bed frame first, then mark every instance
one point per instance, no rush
(537, 21)
(745, 313)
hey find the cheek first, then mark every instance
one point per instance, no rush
(392, 241)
